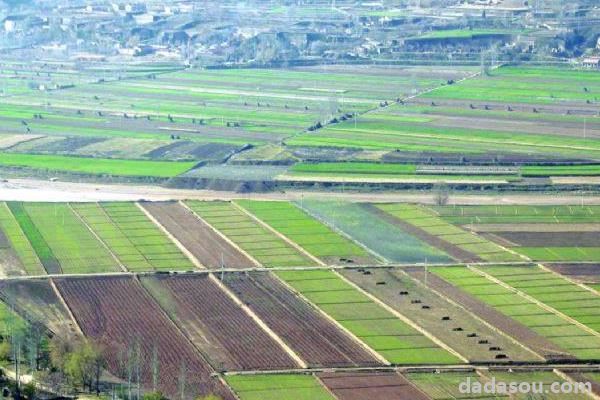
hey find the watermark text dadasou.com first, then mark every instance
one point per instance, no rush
(495, 387)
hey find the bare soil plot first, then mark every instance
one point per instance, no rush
(315, 339)
(36, 301)
(199, 238)
(372, 386)
(221, 329)
(462, 332)
(516, 330)
(587, 273)
(552, 239)
(118, 313)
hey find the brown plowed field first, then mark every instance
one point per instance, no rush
(118, 313)
(315, 339)
(587, 273)
(216, 325)
(452, 250)
(371, 386)
(516, 330)
(552, 239)
(196, 236)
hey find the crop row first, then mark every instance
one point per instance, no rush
(542, 320)
(312, 235)
(262, 244)
(391, 337)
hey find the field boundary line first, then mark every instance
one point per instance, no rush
(534, 300)
(279, 234)
(121, 265)
(475, 316)
(220, 234)
(177, 243)
(335, 322)
(324, 386)
(66, 306)
(568, 279)
(566, 377)
(403, 318)
(259, 321)
(335, 229)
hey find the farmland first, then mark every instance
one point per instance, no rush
(108, 309)
(15, 246)
(61, 240)
(545, 321)
(390, 336)
(271, 387)
(316, 340)
(312, 235)
(209, 317)
(541, 233)
(132, 237)
(198, 237)
(461, 244)
(366, 227)
(263, 245)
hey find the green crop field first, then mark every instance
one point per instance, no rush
(262, 244)
(571, 170)
(549, 288)
(56, 232)
(428, 221)
(278, 387)
(17, 240)
(161, 169)
(366, 227)
(447, 385)
(136, 241)
(568, 336)
(516, 214)
(395, 340)
(536, 85)
(312, 235)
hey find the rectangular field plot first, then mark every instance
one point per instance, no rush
(262, 244)
(216, 325)
(465, 334)
(364, 224)
(15, 249)
(278, 387)
(469, 385)
(316, 340)
(311, 234)
(109, 310)
(549, 288)
(519, 214)
(566, 254)
(57, 233)
(447, 236)
(372, 386)
(394, 339)
(558, 330)
(199, 238)
(134, 239)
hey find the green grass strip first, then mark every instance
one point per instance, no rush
(39, 244)
(104, 166)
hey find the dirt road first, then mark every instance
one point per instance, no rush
(39, 190)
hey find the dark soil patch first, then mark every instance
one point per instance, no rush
(68, 145)
(582, 272)
(552, 239)
(315, 339)
(452, 250)
(203, 242)
(371, 385)
(181, 150)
